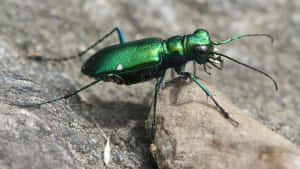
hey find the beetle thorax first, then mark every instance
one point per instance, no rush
(174, 45)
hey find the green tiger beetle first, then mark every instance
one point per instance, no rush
(142, 60)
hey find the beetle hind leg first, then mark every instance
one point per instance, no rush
(80, 54)
(70, 94)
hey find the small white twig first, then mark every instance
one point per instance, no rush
(107, 148)
(107, 154)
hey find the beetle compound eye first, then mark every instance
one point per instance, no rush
(203, 50)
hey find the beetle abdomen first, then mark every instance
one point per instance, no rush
(122, 58)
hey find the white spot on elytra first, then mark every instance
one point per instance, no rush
(119, 67)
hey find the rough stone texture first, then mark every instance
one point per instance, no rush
(64, 134)
(191, 134)
(60, 28)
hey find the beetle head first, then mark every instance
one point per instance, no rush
(199, 46)
(201, 49)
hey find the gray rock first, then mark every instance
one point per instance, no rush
(60, 28)
(63, 134)
(191, 133)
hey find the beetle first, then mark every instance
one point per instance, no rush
(142, 60)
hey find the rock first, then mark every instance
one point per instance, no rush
(61, 28)
(65, 134)
(191, 133)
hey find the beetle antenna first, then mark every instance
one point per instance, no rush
(242, 36)
(250, 67)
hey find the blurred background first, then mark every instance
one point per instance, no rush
(60, 28)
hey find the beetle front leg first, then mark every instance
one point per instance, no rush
(225, 114)
(195, 68)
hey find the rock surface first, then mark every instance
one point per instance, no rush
(35, 138)
(192, 134)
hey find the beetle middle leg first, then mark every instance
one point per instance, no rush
(157, 88)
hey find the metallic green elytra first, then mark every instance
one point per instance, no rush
(132, 56)
(142, 60)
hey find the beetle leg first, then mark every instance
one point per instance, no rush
(120, 35)
(224, 113)
(60, 98)
(157, 88)
(121, 38)
(195, 68)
